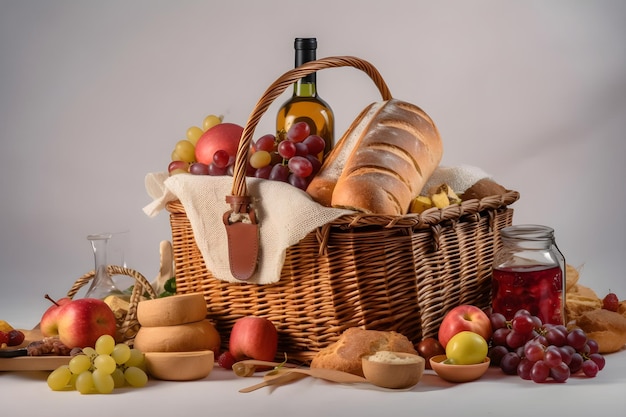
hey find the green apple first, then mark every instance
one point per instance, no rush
(466, 348)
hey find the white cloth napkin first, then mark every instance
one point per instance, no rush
(285, 214)
(459, 178)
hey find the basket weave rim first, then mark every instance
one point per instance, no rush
(425, 219)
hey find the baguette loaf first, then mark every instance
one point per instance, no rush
(382, 162)
(322, 185)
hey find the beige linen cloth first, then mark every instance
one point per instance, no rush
(285, 214)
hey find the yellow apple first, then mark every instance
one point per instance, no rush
(466, 348)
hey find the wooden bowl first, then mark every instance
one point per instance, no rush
(458, 373)
(180, 366)
(393, 369)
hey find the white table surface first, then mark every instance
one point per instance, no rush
(495, 394)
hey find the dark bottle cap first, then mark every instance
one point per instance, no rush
(305, 43)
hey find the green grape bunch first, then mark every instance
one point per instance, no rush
(101, 369)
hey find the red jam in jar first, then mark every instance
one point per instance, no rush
(529, 273)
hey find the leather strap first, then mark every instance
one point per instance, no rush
(243, 238)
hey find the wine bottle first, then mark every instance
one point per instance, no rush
(305, 104)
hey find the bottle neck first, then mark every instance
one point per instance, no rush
(306, 86)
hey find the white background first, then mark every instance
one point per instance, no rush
(94, 95)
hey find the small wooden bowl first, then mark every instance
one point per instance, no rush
(180, 366)
(458, 373)
(404, 372)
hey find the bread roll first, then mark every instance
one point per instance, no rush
(200, 335)
(345, 354)
(608, 328)
(385, 158)
(483, 188)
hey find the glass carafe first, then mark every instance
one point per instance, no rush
(102, 284)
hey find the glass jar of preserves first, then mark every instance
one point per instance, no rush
(529, 273)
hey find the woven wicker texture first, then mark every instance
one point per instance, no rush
(399, 273)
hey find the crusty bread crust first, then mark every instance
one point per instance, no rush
(323, 184)
(608, 328)
(384, 160)
(345, 354)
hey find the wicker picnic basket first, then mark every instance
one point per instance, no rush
(400, 273)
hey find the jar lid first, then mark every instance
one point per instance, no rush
(528, 232)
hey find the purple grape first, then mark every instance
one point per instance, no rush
(533, 351)
(509, 363)
(524, 368)
(552, 356)
(315, 144)
(522, 324)
(590, 368)
(496, 353)
(279, 173)
(598, 359)
(498, 321)
(539, 372)
(515, 339)
(263, 172)
(556, 337)
(593, 346)
(499, 336)
(198, 168)
(575, 363)
(298, 182)
(560, 373)
(577, 339)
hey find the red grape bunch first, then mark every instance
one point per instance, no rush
(526, 347)
(293, 159)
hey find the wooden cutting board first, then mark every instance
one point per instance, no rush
(32, 363)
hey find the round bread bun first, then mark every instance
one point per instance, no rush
(576, 304)
(172, 311)
(608, 328)
(485, 187)
(345, 354)
(200, 335)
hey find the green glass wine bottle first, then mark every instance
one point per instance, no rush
(305, 104)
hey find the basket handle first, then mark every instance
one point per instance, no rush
(240, 221)
(275, 90)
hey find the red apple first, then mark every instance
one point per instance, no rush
(464, 318)
(253, 338)
(81, 322)
(48, 323)
(224, 136)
